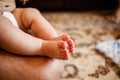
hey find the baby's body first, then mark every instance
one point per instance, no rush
(44, 41)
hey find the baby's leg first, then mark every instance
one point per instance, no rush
(41, 27)
(32, 19)
(16, 41)
(55, 49)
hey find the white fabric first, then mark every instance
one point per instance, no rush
(111, 49)
(11, 17)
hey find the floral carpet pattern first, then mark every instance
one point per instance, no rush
(87, 29)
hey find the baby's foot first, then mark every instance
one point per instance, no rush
(69, 41)
(55, 49)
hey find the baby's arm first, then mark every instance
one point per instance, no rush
(16, 41)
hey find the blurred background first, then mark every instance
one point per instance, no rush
(79, 5)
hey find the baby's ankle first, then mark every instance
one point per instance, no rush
(43, 48)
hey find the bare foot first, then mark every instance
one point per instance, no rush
(55, 49)
(69, 41)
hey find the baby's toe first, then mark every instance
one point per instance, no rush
(65, 37)
(64, 54)
(71, 46)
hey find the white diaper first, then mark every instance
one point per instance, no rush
(11, 17)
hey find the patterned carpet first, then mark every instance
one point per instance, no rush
(87, 29)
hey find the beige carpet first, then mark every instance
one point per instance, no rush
(86, 29)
